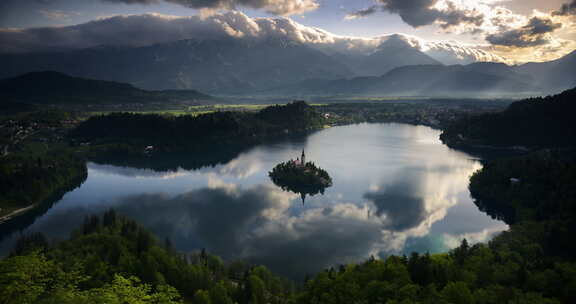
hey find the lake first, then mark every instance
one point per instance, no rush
(397, 189)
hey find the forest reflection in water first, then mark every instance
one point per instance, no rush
(396, 189)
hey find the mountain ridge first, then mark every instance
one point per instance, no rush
(480, 79)
(224, 66)
(50, 87)
(283, 66)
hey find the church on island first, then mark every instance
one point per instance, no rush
(300, 177)
(300, 162)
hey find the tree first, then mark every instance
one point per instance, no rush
(256, 290)
(202, 297)
(457, 293)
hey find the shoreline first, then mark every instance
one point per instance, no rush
(16, 213)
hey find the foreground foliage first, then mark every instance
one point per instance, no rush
(111, 259)
(533, 262)
(509, 269)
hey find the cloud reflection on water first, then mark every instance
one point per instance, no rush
(257, 223)
(396, 189)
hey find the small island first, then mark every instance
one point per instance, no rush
(300, 177)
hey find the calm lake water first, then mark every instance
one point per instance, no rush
(397, 189)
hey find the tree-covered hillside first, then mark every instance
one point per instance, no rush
(536, 122)
(209, 130)
(27, 181)
(111, 259)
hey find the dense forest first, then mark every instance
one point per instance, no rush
(535, 123)
(537, 187)
(181, 133)
(509, 269)
(111, 259)
(35, 163)
(26, 181)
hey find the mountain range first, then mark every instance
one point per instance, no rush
(225, 66)
(278, 66)
(481, 79)
(396, 51)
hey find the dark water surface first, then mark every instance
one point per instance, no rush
(397, 189)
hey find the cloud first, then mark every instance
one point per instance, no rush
(277, 7)
(241, 167)
(415, 13)
(317, 239)
(504, 30)
(535, 33)
(452, 241)
(148, 29)
(400, 205)
(460, 16)
(136, 173)
(362, 13)
(446, 13)
(57, 14)
(567, 9)
(254, 223)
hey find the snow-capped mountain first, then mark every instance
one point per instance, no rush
(150, 29)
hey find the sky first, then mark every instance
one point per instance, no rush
(522, 30)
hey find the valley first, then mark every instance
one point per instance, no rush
(287, 152)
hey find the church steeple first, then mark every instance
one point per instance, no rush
(303, 158)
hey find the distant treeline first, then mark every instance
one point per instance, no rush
(180, 133)
(436, 113)
(536, 122)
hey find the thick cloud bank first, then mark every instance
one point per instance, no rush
(424, 12)
(458, 15)
(567, 9)
(147, 29)
(505, 30)
(535, 33)
(278, 7)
